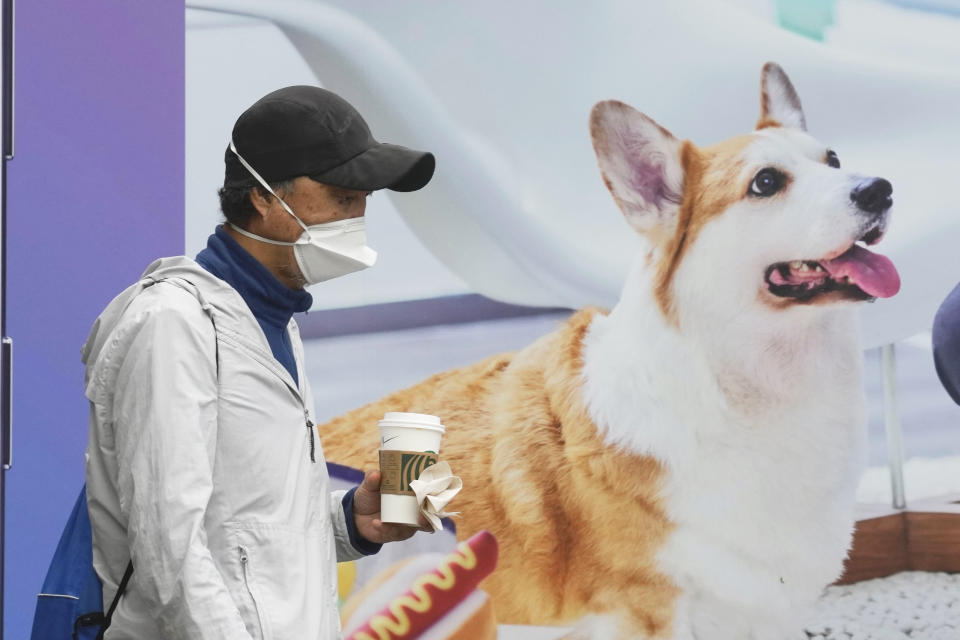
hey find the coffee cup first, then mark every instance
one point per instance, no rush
(409, 443)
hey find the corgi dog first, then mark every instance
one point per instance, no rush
(684, 465)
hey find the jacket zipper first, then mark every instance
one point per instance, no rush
(313, 446)
(244, 562)
(293, 388)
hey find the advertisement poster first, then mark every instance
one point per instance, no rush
(664, 314)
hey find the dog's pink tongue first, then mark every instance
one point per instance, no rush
(872, 272)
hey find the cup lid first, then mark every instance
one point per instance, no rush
(419, 419)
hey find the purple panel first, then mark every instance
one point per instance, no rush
(95, 193)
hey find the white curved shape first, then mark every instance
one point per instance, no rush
(472, 196)
(521, 213)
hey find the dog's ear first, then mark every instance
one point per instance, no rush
(779, 102)
(641, 165)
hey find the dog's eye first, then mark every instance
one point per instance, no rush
(832, 159)
(766, 183)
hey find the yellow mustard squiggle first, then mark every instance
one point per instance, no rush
(385, 627)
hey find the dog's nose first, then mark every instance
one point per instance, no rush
(873, 196)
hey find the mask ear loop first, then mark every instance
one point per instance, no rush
(282, 203)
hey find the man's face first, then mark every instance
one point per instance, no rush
(314, 203)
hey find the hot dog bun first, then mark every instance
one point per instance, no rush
(426, 592)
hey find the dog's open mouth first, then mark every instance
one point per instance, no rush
(854, 274)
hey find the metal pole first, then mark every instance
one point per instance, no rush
(891, 414)
(6, 153)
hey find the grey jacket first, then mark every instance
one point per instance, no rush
(201, 464)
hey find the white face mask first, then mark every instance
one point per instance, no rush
(323, 251)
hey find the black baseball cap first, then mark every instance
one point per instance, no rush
(309, 131)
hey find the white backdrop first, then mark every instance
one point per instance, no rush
(500, 91)
(233, 61)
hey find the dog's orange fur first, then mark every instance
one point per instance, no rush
(711, 184)
(578, 522)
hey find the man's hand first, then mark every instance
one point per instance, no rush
(366, 514)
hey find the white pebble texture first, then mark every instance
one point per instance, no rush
(913, 604)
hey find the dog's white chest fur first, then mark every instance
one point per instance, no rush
(761, 435)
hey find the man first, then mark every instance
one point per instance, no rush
(204, 468)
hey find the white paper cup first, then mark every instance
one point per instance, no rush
(409, 442)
